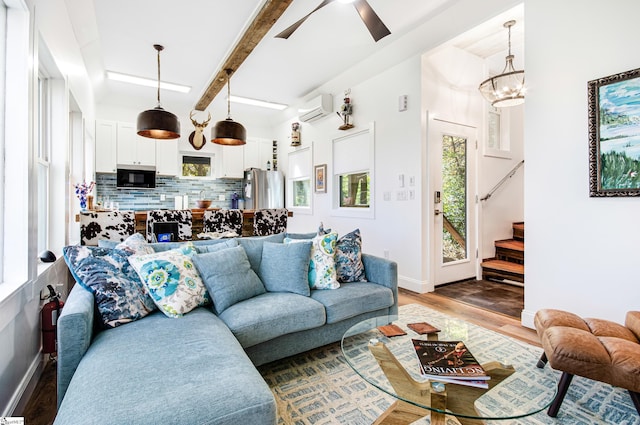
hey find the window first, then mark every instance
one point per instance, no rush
(497, 135)
(196, 166)
(42, 159)
(354, 190)
(299, 177)
(352, 174)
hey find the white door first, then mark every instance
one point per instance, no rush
(453, 206)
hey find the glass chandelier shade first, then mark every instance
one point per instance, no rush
(157, 123)
(507, 88)
(228, 132)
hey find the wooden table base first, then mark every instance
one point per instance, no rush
(456, 398)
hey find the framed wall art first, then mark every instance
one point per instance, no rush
(614, 135)
(321, 178)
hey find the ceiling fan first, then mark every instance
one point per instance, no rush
(373, 22)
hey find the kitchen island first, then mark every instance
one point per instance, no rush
(197, 223)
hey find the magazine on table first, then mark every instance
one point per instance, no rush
(449, 361)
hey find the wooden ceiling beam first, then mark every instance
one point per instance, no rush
(262, 23)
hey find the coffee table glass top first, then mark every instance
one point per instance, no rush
(524, 391)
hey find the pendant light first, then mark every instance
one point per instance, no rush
(507, 88)
(229, 132)
(157, 123)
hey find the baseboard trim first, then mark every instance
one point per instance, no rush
(421, 287)
(526, 319)
(23, 393)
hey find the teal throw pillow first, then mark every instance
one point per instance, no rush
(228, 277)
(285, 267)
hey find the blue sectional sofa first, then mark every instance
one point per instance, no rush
(201, 368)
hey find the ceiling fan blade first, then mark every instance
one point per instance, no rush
(287, 32)
(374, 24)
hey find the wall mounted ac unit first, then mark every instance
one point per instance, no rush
(316, 108)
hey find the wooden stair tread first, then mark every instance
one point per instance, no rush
(502, 265)
(513, 244)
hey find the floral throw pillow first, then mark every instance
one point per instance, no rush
(322, 267)
(136, 244)
(172, 280)
(349, 266)
(120, 295)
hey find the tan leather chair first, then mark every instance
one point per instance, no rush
(592, 348)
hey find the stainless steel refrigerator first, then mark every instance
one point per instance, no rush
(263, 189)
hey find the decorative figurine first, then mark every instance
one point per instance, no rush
(345, 112)
(196, 138)
(295, 134)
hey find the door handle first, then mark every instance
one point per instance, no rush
(438, 212)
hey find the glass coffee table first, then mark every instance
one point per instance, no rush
(517, 388)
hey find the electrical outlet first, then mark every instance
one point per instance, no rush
(401, 195)
(163, 197)
(386, 196)
(220, 197)
(386, 253)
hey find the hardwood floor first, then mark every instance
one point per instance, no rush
(41, 408)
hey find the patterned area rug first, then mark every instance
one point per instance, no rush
(319, 388)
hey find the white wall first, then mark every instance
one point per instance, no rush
(581, 251)
(20, 358)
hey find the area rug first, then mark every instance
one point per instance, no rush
(319, 388)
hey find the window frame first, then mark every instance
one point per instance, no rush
(300, 168)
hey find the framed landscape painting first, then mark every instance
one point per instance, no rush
(614, 135)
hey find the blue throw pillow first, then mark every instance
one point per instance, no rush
(253, 247)
(120, 295)
(285, 267)
(229, 243)
(349, 266)
(228, 277)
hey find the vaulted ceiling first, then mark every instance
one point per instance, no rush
(199, 37)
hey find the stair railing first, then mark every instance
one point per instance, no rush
(504, 179)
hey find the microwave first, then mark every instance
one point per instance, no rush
(135, 177)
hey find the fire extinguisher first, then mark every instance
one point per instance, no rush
(49, 318)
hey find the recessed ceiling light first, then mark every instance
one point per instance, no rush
(255, 102)
(116, 76)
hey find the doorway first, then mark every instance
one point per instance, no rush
(452, 147)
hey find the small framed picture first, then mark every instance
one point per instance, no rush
(321, 178)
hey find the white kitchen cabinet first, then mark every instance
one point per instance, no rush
(167, 157)
(231, 165)
(133, 149)
(106, 146)
(257, 152)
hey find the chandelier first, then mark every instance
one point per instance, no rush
(506, 88)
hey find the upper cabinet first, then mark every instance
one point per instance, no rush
(231, 165)
(167, 157)
(257, 152)
(106, 146)
(133, 149)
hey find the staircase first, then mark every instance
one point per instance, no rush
(509, 260)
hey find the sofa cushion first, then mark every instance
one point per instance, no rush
(120, 295)
(253, 246)
(271, 315)
(352, 299)
(228, 277)
(285, 267)
(164, 379)
(349, 266)
(172, 280)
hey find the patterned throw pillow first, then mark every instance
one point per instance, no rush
(349, 267)
(172, 280)
(322, 269)
(120, 295)
(136, 244)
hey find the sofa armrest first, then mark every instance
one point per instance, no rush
(383, 272)
(75, 332)
(632, 321)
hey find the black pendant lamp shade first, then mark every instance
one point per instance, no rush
(157, 123)
(229, 132)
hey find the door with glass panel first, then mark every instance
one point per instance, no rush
(453, 150)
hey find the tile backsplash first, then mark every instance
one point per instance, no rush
(170, 187)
